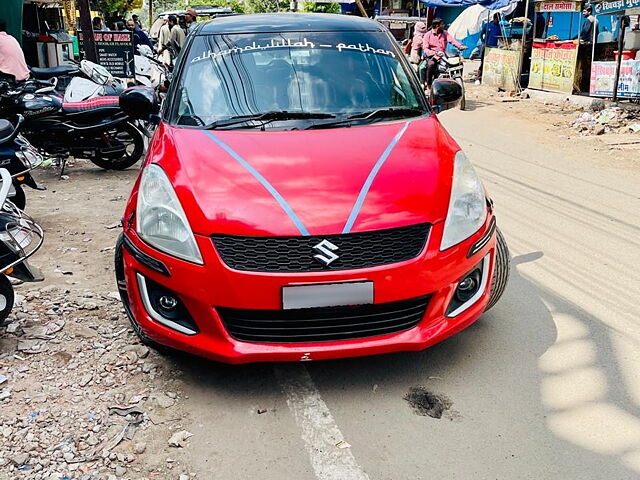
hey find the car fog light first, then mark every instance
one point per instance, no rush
(168, 303)
(165, 306)
(468, 286)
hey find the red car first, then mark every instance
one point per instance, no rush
(301, 201)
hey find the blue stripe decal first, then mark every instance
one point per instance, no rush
(265, 183)
(372, 175)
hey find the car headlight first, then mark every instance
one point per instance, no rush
(467, 205)
(161, 221)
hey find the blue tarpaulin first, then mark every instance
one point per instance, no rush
(489, 4)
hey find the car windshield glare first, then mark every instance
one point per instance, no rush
(339, 74)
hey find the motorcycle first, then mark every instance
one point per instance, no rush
(19, 157)
(449, 66)
(96, 129)
(20, 237)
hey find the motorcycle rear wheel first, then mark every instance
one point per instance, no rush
(463, 103)
(6, 297)
(134, 148)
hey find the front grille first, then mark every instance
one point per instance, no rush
(295, 254)
(323, 324)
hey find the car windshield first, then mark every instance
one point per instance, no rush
(293, 76)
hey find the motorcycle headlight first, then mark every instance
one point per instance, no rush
(467, 205)
(29, 156)
(161, 221)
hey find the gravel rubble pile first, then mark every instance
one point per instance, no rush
(80, 397)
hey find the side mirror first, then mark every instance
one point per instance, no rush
(139, 102)
(445, 94)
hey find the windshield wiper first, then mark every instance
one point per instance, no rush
(268, 116)
(388, 112)
(379, 113)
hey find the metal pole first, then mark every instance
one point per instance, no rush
(150, 14)
(87, 31)
(363, 12)
(622, 26)
(524, 37)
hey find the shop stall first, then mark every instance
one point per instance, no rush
(615, 73)
(559, 61)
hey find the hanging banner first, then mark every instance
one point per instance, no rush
(115, 52)
(553, 66)
(603, 8)
(558, 6)
(70, 14)
(603, 75)
(501, 68)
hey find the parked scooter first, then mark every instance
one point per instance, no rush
(96, 129)
(19, 157)
(20, 237)
(96, 81)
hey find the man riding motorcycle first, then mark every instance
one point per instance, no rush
(434, 45)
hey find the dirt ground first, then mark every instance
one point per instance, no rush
(82, 398)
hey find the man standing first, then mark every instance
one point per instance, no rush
(176, 37)
(98, 25)
(589, 24)
(434, 45)
(139, 37)
(490, 34)
(11, 57)
(190, 17)
(163, 41)
(137, 21)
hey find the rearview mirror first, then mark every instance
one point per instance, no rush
(445, 94)
(139, 102)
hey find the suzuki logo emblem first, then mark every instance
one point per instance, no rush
(325, 251)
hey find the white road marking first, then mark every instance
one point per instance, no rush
(319, 430)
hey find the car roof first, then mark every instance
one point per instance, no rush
(288, 22)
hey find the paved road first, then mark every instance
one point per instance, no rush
(545, 386)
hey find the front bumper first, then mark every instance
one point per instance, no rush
(205, 289)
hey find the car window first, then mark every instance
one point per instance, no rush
(315, 72)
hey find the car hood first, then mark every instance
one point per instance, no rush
(320, 182)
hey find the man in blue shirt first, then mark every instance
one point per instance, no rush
(139, 37)
(589, 24)
(490, 34)
(492, 31)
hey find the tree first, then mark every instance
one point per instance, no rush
(313, 7)
(234, 5)
(118, 7)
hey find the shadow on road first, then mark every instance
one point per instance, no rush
(507, 376)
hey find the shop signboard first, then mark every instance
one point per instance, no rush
(604, 8)
(558, 6)
(603, 76)
(115, 52)
(553, 66)
(501, 68)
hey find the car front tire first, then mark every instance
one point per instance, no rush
(500, 271)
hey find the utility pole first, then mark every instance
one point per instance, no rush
(87, 31)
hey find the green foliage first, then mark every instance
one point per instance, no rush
(312, 7)
(266, 6)
(234, 5)
(113, 7)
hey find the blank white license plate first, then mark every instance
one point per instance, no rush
(327, 295)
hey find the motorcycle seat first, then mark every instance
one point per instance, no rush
(46, 73)
(102, 105)
(6, 128)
